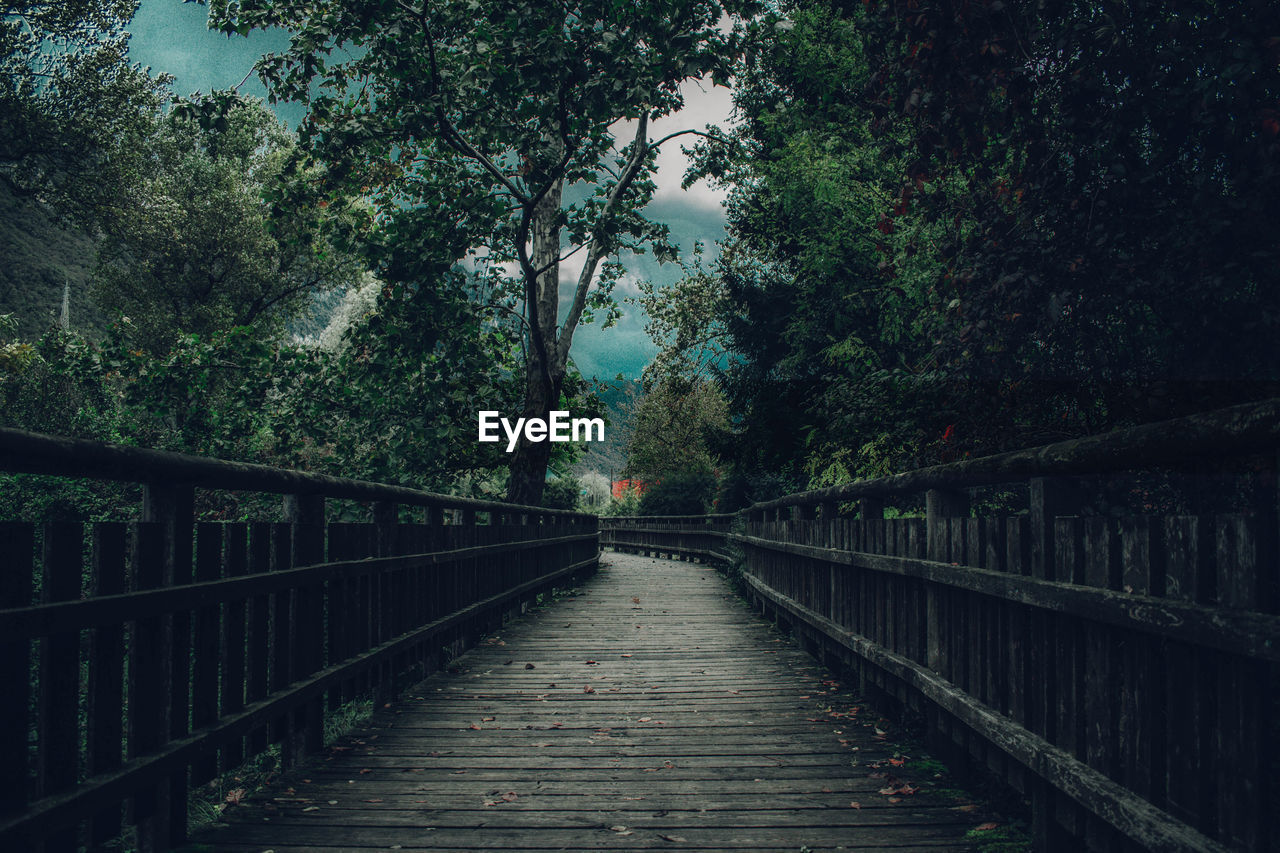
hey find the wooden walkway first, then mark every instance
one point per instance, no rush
(653, 710)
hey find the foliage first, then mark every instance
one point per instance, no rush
(562, 493)
(597, 494)
(42, 256)
(14, 355)
(396, 403)
(491, 132)
(195, 246)
(1119, 168)
(686, 491)
(627, 504)
(670, 428)
(72, 107)
(960, 227)
(687, 321)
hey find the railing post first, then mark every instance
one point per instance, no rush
(870, 508)
(386, 518)
(305, 515)
(171, 505)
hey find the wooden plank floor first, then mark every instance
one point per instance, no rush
(652, 711)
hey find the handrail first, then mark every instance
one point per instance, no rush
(1119, 671)
(205, 642)
(1244, 428)
(36, 453)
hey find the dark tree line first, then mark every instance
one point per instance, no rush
(958, 227)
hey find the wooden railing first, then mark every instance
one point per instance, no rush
(138, 659)
(1121, 670)
(685, 537)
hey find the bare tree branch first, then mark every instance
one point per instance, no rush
(639, 153)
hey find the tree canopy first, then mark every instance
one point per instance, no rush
(513, 136)
(963, 227)
(72, 106)
(196, 247)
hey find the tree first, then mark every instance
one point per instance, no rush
(498, 132)
(1118, 164)
(72, 107)
(814, 343)
(672, 428)
(196, 247)
(964, 227)
(688, 491)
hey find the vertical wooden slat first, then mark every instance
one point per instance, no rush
(58, 697)
(282, 616)
(1185, 555)
(1016, 630)
(17, 543)
(337, 609)
(1141, 712)
(258, 639)
(149, 687)
(1241, 703)
(171, 505)
(105, 717)
(205, 657)
(1100, 674)
(306, 515)
(1068, 668)
(940, 507)
(235, 564)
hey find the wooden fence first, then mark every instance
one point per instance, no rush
(684, 537)
(1121, 670)
(141, 658)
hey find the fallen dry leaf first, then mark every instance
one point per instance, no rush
(985, 827)
(587, 688)
(855, 805)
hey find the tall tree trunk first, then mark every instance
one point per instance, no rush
(528, 470)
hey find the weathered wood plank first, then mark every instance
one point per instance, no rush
(58, 684)
(17, 543)
(105, 704)
(206, 657)
(666, 696)
(231, 696)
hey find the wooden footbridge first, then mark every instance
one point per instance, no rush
(1092, 623)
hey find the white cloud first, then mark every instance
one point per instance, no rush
(703, 104)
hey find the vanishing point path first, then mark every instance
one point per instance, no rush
(652, 710)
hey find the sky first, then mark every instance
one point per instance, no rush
(172, 36)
